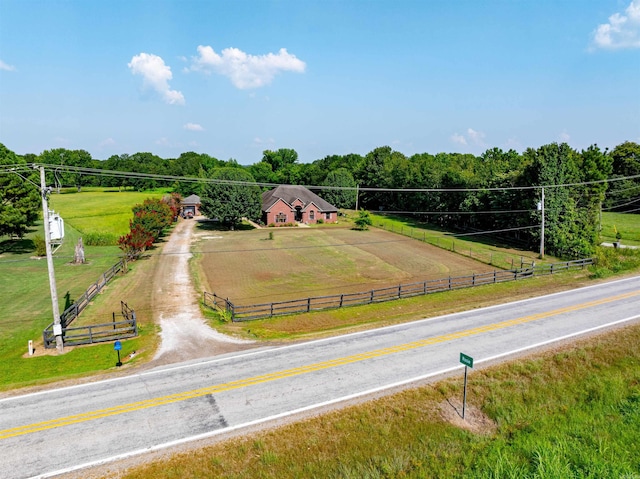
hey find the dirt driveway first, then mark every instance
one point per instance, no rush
(184, 332)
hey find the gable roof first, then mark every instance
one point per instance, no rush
(191, 200)
(291, 193)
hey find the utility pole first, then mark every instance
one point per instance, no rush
(357, 187)
(542, 225)
(57, 327)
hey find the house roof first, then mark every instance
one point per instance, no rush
(291, 193)
(191, 200)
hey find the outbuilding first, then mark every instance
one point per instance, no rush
(190, 206)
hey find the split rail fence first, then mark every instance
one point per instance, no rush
(97, 333)
(73, 311)
(305, 305)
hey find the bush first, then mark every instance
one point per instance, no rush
(320, 221)
(100, 239)
(41, 246)
(613, 260)
(136, 242)
(363, 220)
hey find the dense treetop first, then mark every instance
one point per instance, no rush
(571, 212)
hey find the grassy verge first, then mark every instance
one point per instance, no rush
(337, 321)
(572, 412)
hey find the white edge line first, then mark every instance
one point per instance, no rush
(315, 406)
(306, 343)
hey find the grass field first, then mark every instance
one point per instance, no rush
(627, 224)
(26, 299)
(247, 267)
(96, 210)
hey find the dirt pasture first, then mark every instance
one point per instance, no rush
(247, 267)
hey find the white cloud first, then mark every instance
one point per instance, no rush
(472, 137)
(459, 139)
(564, 137)
(156, 75)
(6, 67)
(622, 31)
(476, 137)
(193, 127)
(244, 70)
(257, 141)
(107, 142)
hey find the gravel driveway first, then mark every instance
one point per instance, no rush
(184, 332)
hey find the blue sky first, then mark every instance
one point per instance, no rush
(234, 78)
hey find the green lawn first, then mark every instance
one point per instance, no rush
(25, 293)
(627, 224)
(96, 210)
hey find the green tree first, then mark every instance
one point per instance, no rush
(363, 220)
(622, 194)
(67, 158)
(340, 198)
(19, 199)
(232, 196)
(154, 216)
(284, 164)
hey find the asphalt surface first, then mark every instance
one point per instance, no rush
(58, 430)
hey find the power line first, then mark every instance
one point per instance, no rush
(494, 231)
(621, 205)
(152, 176)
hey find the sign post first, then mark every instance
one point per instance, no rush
(117, 346)
(468, 363)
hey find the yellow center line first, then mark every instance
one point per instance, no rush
(241, 383)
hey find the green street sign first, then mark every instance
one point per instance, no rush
(466, 360)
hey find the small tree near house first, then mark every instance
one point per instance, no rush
(363, 220)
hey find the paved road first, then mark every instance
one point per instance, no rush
(46, 433)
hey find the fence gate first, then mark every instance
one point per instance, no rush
(126, 327)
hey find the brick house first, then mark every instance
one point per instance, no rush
(295, 204)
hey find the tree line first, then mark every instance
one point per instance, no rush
(496, 191)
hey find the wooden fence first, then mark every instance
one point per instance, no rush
(96, 333)
(73, 311)
(305, 305)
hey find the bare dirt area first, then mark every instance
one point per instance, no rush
(248, 267)
(184, 332)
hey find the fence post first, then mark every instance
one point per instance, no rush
(371, 301)
(473, 279)
(341, 298)
(449, 282)
(308, 304)
(399, 291)
(424, 289)
(271, 313)
(495, 279)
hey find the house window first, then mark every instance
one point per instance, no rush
(312, 215)
(327, 216)
(281, 218)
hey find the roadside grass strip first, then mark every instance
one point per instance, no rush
(241, 383)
